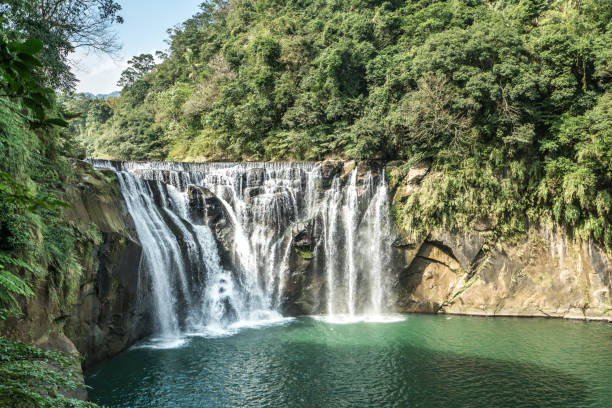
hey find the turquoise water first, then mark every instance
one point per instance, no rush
(422, 361)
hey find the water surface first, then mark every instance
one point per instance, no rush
(422, 361)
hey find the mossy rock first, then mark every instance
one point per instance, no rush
(305, 254)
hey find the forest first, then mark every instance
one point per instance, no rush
(509, 101)
(39, 247)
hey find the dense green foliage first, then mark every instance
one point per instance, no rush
(37, 245)
(24, 102)
(509, 100)
(31, 377)
(63, 25)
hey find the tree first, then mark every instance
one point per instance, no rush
(98, 112)
(138, 66)
(18, 80)
(64, 26)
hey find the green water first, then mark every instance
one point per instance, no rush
(424, 361)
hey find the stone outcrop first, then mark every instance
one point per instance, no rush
(206, 208)
(410, 183)
(109, 315)
(547, 274)
(307, 278)
(101, 313)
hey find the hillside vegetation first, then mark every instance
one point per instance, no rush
(41, 251)
(509, 100)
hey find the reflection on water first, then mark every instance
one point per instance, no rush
(423, 361)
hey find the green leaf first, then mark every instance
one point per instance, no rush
(57, 122)
(31, 46)
(30, 60)
(41, 99)
(22, 69)
(35, 107)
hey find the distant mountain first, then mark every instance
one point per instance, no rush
(101, 96)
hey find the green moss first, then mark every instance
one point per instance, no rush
(465, 287)
(304, 253)
(114, 286)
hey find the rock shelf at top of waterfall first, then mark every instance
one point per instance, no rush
(233, 245)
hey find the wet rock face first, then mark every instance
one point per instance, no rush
(255, 177)
(329, 170)
(206, 208)
(108, 313)
(303, 235)
(306, 280)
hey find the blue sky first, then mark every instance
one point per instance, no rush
(143, 31)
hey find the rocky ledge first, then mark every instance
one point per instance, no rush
(547, 274)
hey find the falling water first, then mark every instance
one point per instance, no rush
(195, 288)
(330, 224)
(161, 253)
(350, 214)
(378, 240)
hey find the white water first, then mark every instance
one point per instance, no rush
(194, 293)
(350, 214)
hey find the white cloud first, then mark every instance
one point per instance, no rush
(98, 73)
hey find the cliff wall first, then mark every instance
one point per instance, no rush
(99, 311)
(546, 273)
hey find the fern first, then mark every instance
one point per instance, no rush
(12, 285)
(31, 377)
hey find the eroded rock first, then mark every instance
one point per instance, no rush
(547, 275)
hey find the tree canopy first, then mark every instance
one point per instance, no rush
(508, 99)
(138, 67)
(64, 26)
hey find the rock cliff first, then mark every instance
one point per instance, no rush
(546, 274)
(100, 312)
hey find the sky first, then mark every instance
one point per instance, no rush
(143, 31)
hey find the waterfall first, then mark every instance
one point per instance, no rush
(220, 239)
(350, 214)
